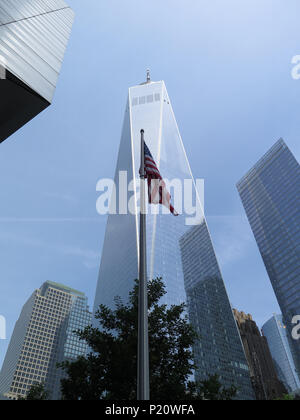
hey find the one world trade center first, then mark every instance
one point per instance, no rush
(179, 249)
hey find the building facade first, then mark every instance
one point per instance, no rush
(264, 377)
(270, 193)
(44, 336)
(149, 108)
(33, 39)
(279, 343)
(219, 348)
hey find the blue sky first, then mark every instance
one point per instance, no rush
(227, 68)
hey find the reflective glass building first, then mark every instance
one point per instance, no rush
(179, 249)
(219, 349)
(33, 38)
(44, 336)
(270, 193)
(279, 343)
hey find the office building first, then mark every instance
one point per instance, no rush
(169, 238)
(262, 370)
(279, 343)
(219, 349)
(44, 336)
(33, 39)
(270, 193)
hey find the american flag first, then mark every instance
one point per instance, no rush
(157, 191)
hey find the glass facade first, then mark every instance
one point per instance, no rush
(44, 336)
(169, 238)
(219, 349)
(270, 195)
(33, 38)
(278, 340)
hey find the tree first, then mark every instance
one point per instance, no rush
(109, 371)
(212, 390)
(289, 397)
(36, 393)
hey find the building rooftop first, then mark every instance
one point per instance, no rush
(266, 159)
(63, 288)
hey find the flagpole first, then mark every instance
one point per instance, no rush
(143, 388)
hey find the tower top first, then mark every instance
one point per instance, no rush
(148, 78)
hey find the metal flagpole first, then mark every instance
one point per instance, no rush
(143, 388)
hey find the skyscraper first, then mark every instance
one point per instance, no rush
(33, 38)
(270, 195)
(44, 336)
(169, 238)
(219, 349)
(263, 373)
(279, 343)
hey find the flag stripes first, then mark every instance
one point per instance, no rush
(157, 191)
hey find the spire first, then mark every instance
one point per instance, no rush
(148, 78)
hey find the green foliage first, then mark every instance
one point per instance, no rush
(289, 397)
(36, 393)
(110, 370)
